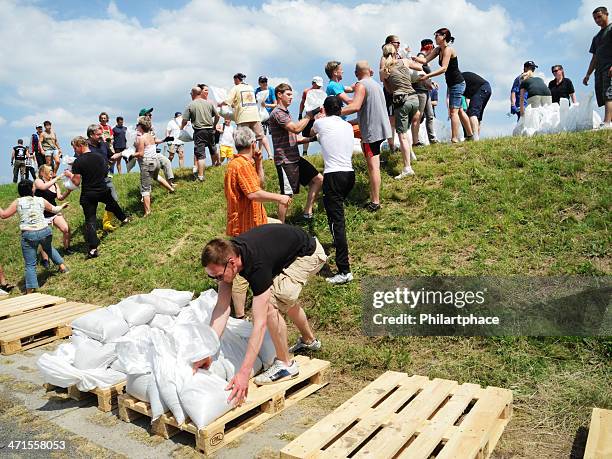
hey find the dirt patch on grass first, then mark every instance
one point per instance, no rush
(144, 437)
(186, 452)
(7, 361)
(266, 453)
(103, 419)
(26, 369)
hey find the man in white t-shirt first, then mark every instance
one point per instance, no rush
(336, 139)
(173, 129)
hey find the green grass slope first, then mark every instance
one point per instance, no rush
(537, 206)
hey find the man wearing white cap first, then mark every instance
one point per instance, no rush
(317, 83)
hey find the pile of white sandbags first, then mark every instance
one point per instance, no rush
(152, 341)
(555, 118)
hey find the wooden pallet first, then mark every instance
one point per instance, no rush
(401, 416)
(599, 441)
(39, 327)
(263, 403)
(15, 306)
(107, 396)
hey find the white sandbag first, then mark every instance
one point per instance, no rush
(118, 366)
(199, 309)
(133, 350)
(90, 354)
(222, 367)
(137, 386)
(261, 96)
(67, 161)
(158, 407)
(185, 136)
(101, 325)
(56, 370)
(217, 95)
(160, 304)
(163, 322)
(244, 328)
(165, 371)
(182, 298)
(194, 342)
(314, 99)
(115, 310)
(77, 337)
(205, 398)
(135, 312)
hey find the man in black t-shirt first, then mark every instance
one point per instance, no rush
(90, 171)
(18, 160)
(601, 63)
(276, 260)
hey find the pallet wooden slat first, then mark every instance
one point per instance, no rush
(107, 397)
(599, 441)
(397, 416)
(263, 403)
(39, 327)
(14, 306)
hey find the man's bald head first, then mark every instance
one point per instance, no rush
(196, 91)
(362, 69)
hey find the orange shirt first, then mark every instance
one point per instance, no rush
(241, 179)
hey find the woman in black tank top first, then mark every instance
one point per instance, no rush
(449, 66)
(47, 188)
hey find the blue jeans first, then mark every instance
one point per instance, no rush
(454, 94)
(29, 245)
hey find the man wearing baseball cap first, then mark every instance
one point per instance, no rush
(317, 83)
(515, 106)
(173, 129)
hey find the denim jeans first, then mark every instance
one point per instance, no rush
(29, 245)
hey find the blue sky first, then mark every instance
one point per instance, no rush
(71, 60)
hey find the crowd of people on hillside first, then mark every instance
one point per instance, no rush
(264, 254)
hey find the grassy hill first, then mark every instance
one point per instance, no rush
(537, 206)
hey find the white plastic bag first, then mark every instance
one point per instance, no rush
(101, 325)
(180, 297)
(67, 161)
(137, 386)
(244, 328)
(314, 99)
(205, 398)
(185, 135)
(56, 370)
(163, 322)
(158, 407)
(90, 354)
(217, 95)
(261, 96)
(160, 304)
(135, 312)
(164, 370)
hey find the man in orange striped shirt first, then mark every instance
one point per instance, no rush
(245, 196)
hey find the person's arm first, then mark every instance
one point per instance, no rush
(297, 127)
(573, 97)
(9, 211)
(40, 148)
(57, 143)
(239, 384)
(40, 185)
(261, 173)
(355, 104)
(221, 313)
(591, 69)
(412, 65)
(140, 146)
(522, 106)
(446, 56)
(28, 154)
(303, 102)
(13, 157)
(266, 196)
(184, 123)
(54, 209)
(74, 178)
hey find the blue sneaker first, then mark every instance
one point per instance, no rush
(277, 372)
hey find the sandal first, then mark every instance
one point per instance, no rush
(7, 287)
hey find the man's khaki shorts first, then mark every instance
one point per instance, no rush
(287, 286)
(256, 127)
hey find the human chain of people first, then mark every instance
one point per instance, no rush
(236, 130)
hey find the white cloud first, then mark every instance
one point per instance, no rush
(2, 121)
(575, 35)
(114, 63)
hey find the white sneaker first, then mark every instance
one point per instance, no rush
(300, 345)
(412, 156)
(277, 372)
(340, 278)
(2, 292)
(404, 173)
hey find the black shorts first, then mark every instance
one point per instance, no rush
(479, 101)
(291, 176)
(372, 149)
(388, 101)
(203, 138)
(308, 128)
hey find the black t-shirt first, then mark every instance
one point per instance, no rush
(601, 47)
(268, 249)
(101, 149)
(20, 153)
(561, 91)
(93, 169)
(472, 83)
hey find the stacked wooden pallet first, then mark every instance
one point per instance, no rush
(599, 441)
(36, 319)
(401, 416)
(107, 396)
(263, 403)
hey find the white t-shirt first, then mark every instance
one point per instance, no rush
(227, 137)
(336, 139)
(174, 128)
